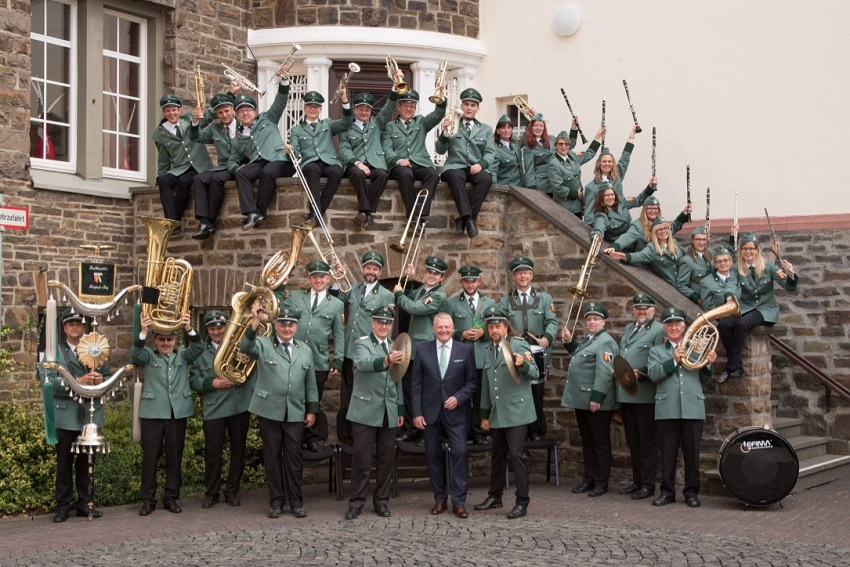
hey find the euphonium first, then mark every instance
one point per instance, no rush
(230, 363)
(168, 281)
(454, 112)
(701, 337)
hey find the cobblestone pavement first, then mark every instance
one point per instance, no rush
(562, 529)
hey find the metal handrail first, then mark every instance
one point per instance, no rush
(815, 372)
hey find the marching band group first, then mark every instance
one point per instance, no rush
(478, 364)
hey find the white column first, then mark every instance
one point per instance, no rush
(318, 71)
(265, 71)
(466, 78)
(423, 81)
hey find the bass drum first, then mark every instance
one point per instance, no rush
(758, 466)
(539, 355)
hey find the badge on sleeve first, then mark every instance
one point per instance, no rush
(552, 307)
(607, 356)
(528, 357)
(781, 274)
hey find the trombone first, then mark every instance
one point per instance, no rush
(416, 213)
(343, 82)
(241, 81)
(327, 252)
(281, 72)
(400, 87)
(579, 290)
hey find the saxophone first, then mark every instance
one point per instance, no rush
(454, 112)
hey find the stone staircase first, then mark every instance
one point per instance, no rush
(817, 466)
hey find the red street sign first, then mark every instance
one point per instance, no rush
(17, 218)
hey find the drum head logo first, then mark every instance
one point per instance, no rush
(748, 446)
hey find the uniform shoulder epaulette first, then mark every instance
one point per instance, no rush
(363, 337)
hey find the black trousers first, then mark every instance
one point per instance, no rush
(236, 428)
(369, 441)
(156, 433)
(209, 193)
(407, 391)
(283, 460)
(174, 193)
(508, 445)
(595, 431)
(539, 425)
(734, 333)
(641, 437)
(407, 176)
(456, 435)
(468, 206)
(368, 199)
(266, 174)
(313, 171)
(474, 423)
(68, 464)
(312, 433)
(684, 433)
(343, 426)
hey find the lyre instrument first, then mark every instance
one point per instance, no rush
(570, 108)
(453, 112)
(400, 86)
(230, 363)
(772, 236)
(688, 186)
(343, 82)
(403, 344)
(168, 281)
(708, 213)
(282, 71)
(241, 81)
(200, 97)
(439, 82)
(602, 145)
(702, 336)
(654, 185)
(579, 291)
(413, 224)
(638, 129)
(524, 107)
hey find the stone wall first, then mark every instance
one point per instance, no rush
(458, 17)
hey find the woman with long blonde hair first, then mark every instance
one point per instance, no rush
(694, 265)
(662, 254)
(607, 173)
(636, 237)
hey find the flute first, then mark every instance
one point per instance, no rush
(638, 129)
(602, 146)
(772, 236)
(707, 215)
(570, 108)
(654, 185)
(688, 187)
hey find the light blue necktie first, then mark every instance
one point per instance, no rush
(444, 360)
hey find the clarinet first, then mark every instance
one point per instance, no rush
(772, 235)
(707, 215)
(654, 185)
(603, 124)
(688, 186)
(638, 129)
(570, 108)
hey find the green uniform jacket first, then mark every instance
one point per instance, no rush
(535, 162)
(573, 162)
(678, 393)
(69, 414)
(468, 148)
(616, 222)
(564, 185)
(286, 387)
(690, 273)
(216, 134)
(636, 351)
(176, 155)
(358, 322)
(758, 293)
(403, 143)
(592, 188)
(314, 145)
(166, 391)
(539, 320)
(714, 291)
(422, 306)
(220, 403)
(315, 329)
(365, 145)
(507, 170)
(264, 140)
(590, 375)
(664, 265)
(374, 394)
(633, 239)
(504, 402)
(464, 319)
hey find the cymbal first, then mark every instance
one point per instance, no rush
(625, 375)
(509, 359)
(401, 343)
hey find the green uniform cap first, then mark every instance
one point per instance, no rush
(469, 273)
(659, 220)
(643, 300)
(652, 200)
(245, 100)
(223, 99)
(372, 257)
(721, 251)
(409, 95)
(289, 313)
(594, 308)
(747, 237)
(215, 318)
(564, 135)
(383, 314)
(495, 314)
(71, 316)
(364, 99)
(606, 151)
(471, 94)
(313, 97)
(318, 267)
(699, 230)
(504, 120)
(436, 264)
(537, 118)
(522, 263)
(170, 100)
(672, 314)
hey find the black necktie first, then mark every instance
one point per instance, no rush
(472, 303)
(313, 126)
(177, 132)
(407, 124)
(315, 303)
(753, 273)
(286, 350)
(468, 126)
(635, 330)
(524, 298)
(384, 346)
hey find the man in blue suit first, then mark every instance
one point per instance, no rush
(443, 382)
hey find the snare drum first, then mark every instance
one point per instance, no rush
(539, 355)
(758, 466)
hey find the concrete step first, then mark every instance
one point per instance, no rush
(788, 426)
(807, 446)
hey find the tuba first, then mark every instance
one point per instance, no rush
(702, 336)
(168, 281)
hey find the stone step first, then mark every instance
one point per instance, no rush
(788, 426)
(808, 446)
(774, 404)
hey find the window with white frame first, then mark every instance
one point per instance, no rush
(517, 119)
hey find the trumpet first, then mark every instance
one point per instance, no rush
(392, 67)
(281, 72)
(439, 82)
(343, 82)
(524, 107)
(579, 290)
(416, 213)
(242, 81)
(200, 97)
(454, 112)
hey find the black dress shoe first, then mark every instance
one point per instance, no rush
(313, 446)
(209, 502)
(519, 511)
(60, 516)
(353, 512)
(663, 500)
(692, 501)
(177, 231)
(598, 491)
(299, 512)
(382, 510)
(254, 219)
(582, 488)
(630, 489)
(490, 503)
(172, 506)
(84, 513)
(642, 493)
(536, 437)
(370, 220)
(724, 376)
(459, 225)
(275, 512)
(232, 499)
(204, 232)
(147, 509)
(244, 220)
(408, 438)
(471, 229)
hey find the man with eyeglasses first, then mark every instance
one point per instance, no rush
(694, 265)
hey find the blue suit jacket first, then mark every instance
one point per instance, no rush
(429, 391)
